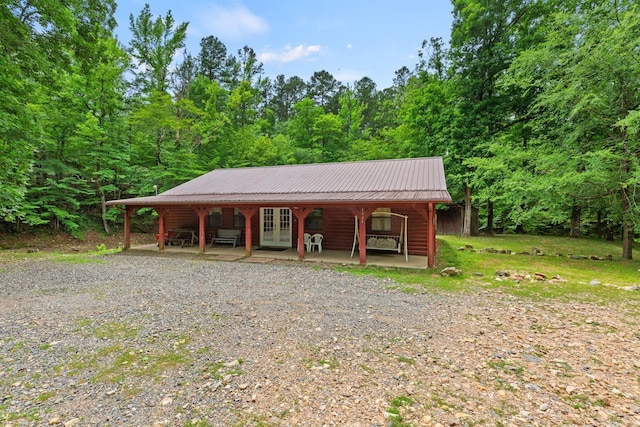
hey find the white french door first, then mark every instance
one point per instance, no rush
(275, 227)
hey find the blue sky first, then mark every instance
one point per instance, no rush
(350, 39)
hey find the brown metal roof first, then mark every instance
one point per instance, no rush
(403, 180)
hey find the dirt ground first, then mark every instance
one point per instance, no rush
(63, 242)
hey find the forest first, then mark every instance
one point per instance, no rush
(533, 105)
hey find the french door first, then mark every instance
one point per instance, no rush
(275, 227)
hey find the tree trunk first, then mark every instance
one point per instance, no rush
(159, 136)
(627, 241)
(466, 223)
(576, 215)
(489, 229)
(103, 206)
(628, 227)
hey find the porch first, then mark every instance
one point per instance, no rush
(258, 255)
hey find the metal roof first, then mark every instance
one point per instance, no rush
(401, 180)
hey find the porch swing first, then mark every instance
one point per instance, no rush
(385, 242)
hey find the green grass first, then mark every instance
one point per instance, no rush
(394, 411)
(479, 269)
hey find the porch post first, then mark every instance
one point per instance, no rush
(362, 214)
(431, 235)
(128, 211)
(248, 213)
(202, 212)
(301, 214)
(161, 214)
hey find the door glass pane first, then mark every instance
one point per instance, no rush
(268, 228)
(285, 225)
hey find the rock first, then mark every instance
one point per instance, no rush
(595, 258)
(55, 420)
(450, 272)
(530, 358)
(478, 274)
(166, 401)
(595, 282)
(540, 276)
(72, 422)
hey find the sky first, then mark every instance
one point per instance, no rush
(350, 39)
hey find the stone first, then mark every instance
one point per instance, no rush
(72, 422)
(450, 272)
(166, 401)
(595, 282)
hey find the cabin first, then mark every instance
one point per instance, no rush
(381, 205)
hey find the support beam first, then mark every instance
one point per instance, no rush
(301, 213)
(202, 212)
(431, 235)
(248, 213)
(128, 211)
(362, 214)
(162, 212)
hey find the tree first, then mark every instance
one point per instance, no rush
(585, 76)
(153, 46)
(285, 94)
(323, 88)
(33, 44)
(484, 41)
(212, 58)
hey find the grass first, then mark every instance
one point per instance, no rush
(479, 267)
(88, 257)
(394, 411)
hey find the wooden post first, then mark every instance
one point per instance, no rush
(301, 214)
(362, 214)
(248, 213)
(128, 211)
(431, 235)
(161, 214)
(202, 212)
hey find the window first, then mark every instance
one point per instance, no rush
(381, 219)
(215, 217)
(238, 218)
(314, 221)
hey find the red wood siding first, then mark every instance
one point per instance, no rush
(338, 223)
(178, 217)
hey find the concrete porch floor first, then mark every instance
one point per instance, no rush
(228, 253)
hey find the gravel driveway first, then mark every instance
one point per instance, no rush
(153, 341)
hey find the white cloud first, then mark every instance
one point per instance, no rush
(289, 54)
(349, 46)
(232, 23)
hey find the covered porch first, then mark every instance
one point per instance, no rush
(259, 255)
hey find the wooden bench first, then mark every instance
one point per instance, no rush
(227, 236)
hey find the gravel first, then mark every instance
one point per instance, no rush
(155, 341)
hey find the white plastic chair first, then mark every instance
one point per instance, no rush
(307, 242)
(316, 242)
